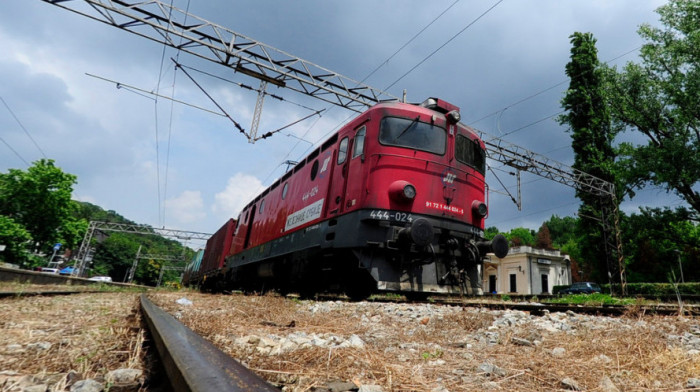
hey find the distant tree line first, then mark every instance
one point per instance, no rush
(37, 212)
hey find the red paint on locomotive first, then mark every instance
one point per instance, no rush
(395, 199)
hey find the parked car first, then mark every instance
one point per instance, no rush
(582, 288)
(101, 279)
(66, 271)
(47, 270)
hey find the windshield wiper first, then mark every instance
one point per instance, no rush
(407, 128)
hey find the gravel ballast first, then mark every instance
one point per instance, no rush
(309, 345)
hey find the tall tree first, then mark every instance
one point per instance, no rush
(660, 98)
(544, 239)
(592, 135)
(39, 199)
(15, 239)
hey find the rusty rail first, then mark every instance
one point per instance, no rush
(192, 363)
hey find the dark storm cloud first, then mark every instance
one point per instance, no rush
(107, 136)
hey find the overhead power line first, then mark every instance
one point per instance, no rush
(538, 93)
(24, 129)
(443, 45)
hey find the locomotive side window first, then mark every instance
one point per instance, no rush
(262, 206)
(359, 142)
(411, 133)
(314, 170)
(470, 152)
(343, 150)
(284, 190)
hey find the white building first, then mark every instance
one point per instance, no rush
(527, 271)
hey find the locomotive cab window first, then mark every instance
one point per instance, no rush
(411, 133)
(470, 152)
(343, 150)
(359, 147)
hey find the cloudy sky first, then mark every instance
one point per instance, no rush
(173, 165)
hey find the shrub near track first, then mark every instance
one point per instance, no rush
(595, 299)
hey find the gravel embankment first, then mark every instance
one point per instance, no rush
(86, 341)
(307, 345)
(81, 342)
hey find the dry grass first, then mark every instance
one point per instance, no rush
(444, 349)
(87, 333)
(16, 287)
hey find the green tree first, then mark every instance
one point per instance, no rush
(655, 239)
(660, 98)
(562, 230)
(15, 239)
(39, 199)
(491, 232)
(521, 236)
(592, 135)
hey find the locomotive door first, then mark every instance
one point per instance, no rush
(354, 180)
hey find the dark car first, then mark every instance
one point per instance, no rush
(582, 288)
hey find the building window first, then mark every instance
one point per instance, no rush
(513, 287)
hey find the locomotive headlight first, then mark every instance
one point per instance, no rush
(402, 191)
(480, 209)
(409, 192)
(453, 116)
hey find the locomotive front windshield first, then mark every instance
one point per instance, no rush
(470, 152)
(405, 132)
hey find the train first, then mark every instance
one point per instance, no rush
(394, 201)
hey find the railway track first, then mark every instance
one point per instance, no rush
(33, 293)
(539, 308)
(192, 363)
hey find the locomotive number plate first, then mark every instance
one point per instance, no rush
(396, 216)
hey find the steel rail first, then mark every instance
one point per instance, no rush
(191, 362)
(47, 293)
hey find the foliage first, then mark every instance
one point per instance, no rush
(592, 134)
(595, 299)
(544, 239)
(660, 98)
(651, 241)
(115, 252)
(521, 236)
(16, 239)
(39, 199)
(92, 212)
(491, 232)
(561, 230)
(663, 289)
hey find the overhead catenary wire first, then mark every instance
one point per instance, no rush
(444, 44)
(29, 135)
(144, 93)
(14, 151)
(170, 121)
(538, 93)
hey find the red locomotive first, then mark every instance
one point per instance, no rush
(394, 201)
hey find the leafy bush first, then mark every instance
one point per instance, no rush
(658, 289)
